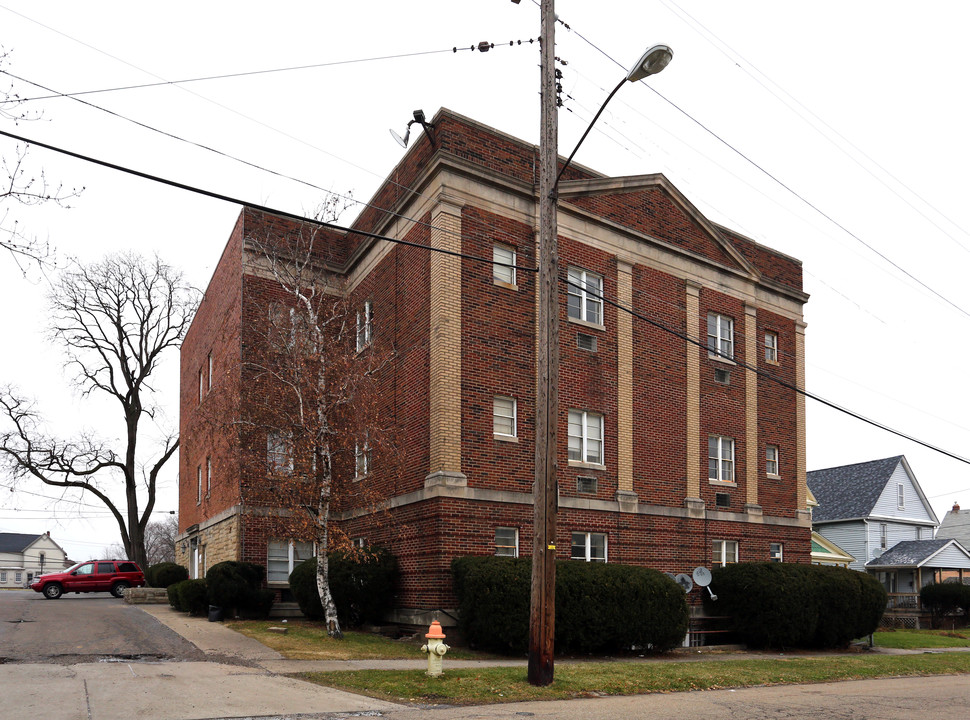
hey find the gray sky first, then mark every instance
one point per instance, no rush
(832, 131)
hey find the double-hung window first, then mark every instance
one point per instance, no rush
(208, 476)
(198, 485)
(282, 557)
(503, 416)
(720, 458)
(365, 331)
(362, 460)
(776, 553)
(503, 268)
(771, 460)
(900, 496)
(883, 536)
(720, 336)
(724, 552)
(771, 347)
(585, 437)
(507, 541)
(590, 547)
(279, 452)
(584, 296)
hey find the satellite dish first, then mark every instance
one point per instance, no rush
(402, 141)
(685, 582)
(671, 576)
(702, 576)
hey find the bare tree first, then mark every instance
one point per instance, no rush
(23, 186)
(309, 409)
(114, 319)
(160, 540)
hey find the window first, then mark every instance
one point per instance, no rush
(279, 452)
(86, 569)
(586, 342)
(883, 535)
(771, 460)
(919, 532)
(283, 556)
(503, 416)
(722, 500)
(720, 458)
(201, 383)
(362, 460)
(3, 577)
(18, 577)
(106, 568)
(585, 437)
(208, 476)
(722, 376)
(209, 379)
(771, 347)
(590, 547)
(505, 272)
(365, 332)
(720, 336)
(900, 496)
(586, 485)
(724, 552)
(198, 485)
(507, 542)
(776, 553)
(584, 296)
(359, 542)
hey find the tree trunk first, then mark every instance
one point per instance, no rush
(323, 565)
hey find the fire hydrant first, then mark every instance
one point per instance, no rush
(435, 648)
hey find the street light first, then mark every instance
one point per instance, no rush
(542, 615)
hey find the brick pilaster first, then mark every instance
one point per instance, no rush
(693, 430)
(624, 381)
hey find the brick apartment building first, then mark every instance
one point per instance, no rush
(670, 456)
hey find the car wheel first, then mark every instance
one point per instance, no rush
(53, 591)
(118, 589)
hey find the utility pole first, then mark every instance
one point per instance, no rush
(542, 620)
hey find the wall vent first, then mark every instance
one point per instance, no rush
(586, 342)
(722, 500)
(722, 376)
(586, 485)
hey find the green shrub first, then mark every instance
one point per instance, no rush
(945, 598)
(795, 605)
(193, 596)
(233, 585)
(173, 596)
(362, 586)
(163, 574)
(599, 607)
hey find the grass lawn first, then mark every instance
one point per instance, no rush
(576, 680)
(305, 640)
(915, 639)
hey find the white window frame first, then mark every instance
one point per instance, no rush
(724, 552)
(279, 452)
(503, 265)
(208, 475)
(507, 546)
(588, 294)
(720, 336)
(201, 384)
(209, 379)
(772, 460)
(504, 413)
(365, 327)
(900, 496)
(919, 532)
(884, 536)
(291, 557)
(581, 447)
(18, 577)
(363, 460)
(720, 465)
(586, 542)
(3, 576)
(198, 482)
(776, 552)
(771, 347)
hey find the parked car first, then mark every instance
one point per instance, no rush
(112, 576)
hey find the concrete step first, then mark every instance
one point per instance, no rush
(285, 610)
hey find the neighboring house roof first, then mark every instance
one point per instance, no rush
(16, 542)
(917, 553)
(956, 525)
(827, 552)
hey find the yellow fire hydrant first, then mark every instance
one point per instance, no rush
(435, 648)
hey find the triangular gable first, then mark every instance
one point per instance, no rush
(915, 505)
(49, 539)
(826, 551)
(651, 205)
(951, 555)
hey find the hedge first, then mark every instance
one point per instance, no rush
(794, 605)
(599, 607)
(945, 598)
(236, 588)
(163, 574)
(362, 586)
(193, 596)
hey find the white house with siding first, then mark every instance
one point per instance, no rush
(24, 556)
(867, 508)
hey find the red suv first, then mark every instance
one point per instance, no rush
(92, 576)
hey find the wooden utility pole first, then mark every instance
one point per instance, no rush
(542, 620)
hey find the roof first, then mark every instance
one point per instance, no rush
(850, 491)
(956, 524)
(913, 553)
(15, 542)
(826, 551)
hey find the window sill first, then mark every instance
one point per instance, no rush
(772, 476)
(505, 438)
(772, 362)
(720, 359)
(722, 483)
(587, 323)
(503, 284)
(586, 465)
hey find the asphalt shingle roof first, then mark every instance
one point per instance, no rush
(956, 525)
(850, 491)
(15, 542)
(909, 552)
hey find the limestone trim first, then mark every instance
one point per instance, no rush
(752, 455)
(624, 384)
(444, 387)
(801, 475)
(693, 430)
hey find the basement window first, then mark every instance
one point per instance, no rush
(586, 342)
(722, 500)
(722, 376)
(586, 485)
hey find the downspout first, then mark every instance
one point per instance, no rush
(866, 523)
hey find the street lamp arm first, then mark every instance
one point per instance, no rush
(599, 112)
